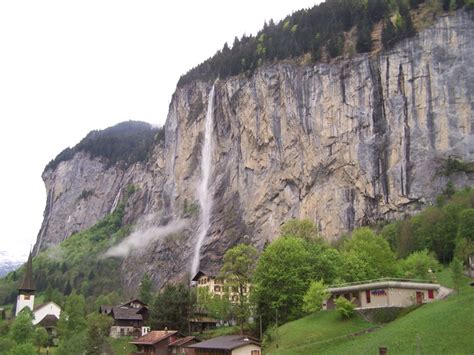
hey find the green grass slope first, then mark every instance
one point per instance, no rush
(442, 327)
(318, 328)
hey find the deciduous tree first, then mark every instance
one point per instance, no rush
(237, 270)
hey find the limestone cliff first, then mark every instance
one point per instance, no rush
(344, 144)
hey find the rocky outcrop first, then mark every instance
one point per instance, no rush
(344, 144)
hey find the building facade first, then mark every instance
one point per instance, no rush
(227, 345)
(130, 318)
(384, 293)
(219, 286)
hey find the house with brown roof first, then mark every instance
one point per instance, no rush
(227, 345)
(155, 342)
(130, 318)
(180, 346)
(201, 320)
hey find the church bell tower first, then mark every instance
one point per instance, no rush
(26, 290)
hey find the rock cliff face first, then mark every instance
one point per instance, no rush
(344, 144)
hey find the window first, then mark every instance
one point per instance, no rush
(430, 294)
(367, 296)
(217, 288)
(255, 352)
(27, 297)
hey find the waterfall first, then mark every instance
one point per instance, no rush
(204, 196)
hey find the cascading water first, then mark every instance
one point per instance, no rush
(205, 200)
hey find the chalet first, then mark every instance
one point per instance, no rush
(227, 345)
(129, 318)
(384, 293)
(218, 286)
(156, 342)
(201, 320)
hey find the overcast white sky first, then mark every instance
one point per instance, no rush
(68, 67)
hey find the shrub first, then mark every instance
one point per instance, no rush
(344, 307)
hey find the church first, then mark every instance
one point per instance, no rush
(46, 314)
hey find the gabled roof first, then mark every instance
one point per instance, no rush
(201, 273)
(182, 341)
(154, 337)
(136, 300)
(43, 305)
(228, 342)
(119, 313)
(28, 284)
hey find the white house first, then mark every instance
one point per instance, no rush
(42, 311)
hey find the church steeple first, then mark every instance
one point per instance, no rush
(28, 284)
(26, 289)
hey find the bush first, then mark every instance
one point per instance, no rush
(314, 297)
(23, 349)
(344, 307)
(418, 265)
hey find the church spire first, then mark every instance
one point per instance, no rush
(28, 284)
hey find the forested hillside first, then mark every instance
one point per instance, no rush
(322, 32)
(126, 142)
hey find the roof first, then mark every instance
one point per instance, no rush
(134, 300)
(125, 313)
(50, 320)
(198, 275)
(228, 342)
(154, 337)
(203, 320)
(28, 284)
(43, 305)
(385, 284)
(182, 341)
(105, 309)
(202, 273)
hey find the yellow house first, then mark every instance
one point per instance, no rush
(384, 293)
(218, 286)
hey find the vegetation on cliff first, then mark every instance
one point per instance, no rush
(76, 264)
(321, 32)
(126, 142)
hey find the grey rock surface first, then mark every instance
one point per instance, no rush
(344, 144)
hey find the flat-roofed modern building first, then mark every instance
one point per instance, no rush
(384, 293)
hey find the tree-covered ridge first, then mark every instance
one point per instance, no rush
(126, 142)
(320, 32)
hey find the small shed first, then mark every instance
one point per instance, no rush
(227, 345)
